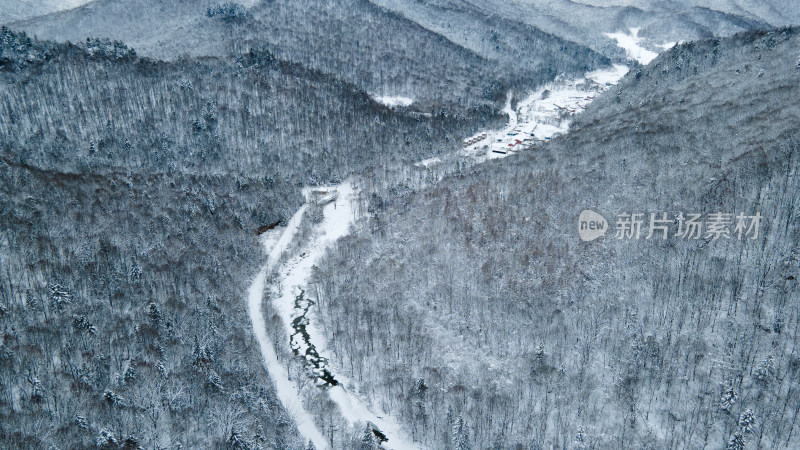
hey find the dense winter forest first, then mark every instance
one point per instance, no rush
(473, 302)
(160, 173)
(376, 49)
(256, 225)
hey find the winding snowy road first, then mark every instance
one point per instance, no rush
(276, 242)
(293, 276)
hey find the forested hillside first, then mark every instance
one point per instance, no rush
(355, 40)
(245, 115)
(131, 192)
(159, 157)
(586, 21)
(474, 312)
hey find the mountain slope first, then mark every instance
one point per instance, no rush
(130, 194)
(479, 305)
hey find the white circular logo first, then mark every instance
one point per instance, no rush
(591, 225)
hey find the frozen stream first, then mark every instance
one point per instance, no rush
(289, 297)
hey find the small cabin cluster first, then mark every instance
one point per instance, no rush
(519, 139)
(474, 139)
(564, 108)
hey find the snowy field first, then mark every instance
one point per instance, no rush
(631, 42)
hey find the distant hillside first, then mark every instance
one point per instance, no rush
(699, 23)
(476, 305)
(15, 10)
(379, 51)
(586, 21)
(101, 105)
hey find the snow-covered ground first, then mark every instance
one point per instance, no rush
(544, 113)
(547, 112)
(430, 162)
(630, 43)
(394, 101)
(293, 277)
(608, 77)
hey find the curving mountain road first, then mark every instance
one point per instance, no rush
(293, 276)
